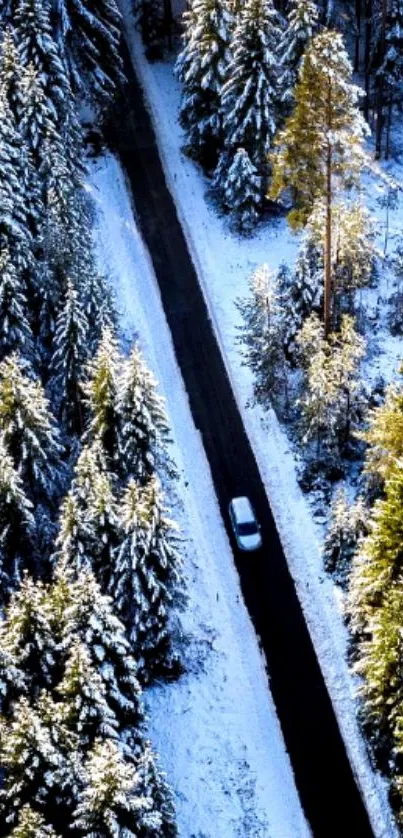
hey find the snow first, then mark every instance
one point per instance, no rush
(224, 264)
(216, 728)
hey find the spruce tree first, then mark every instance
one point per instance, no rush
(15, 327)
(249, 94)
(144, 430)
(115, 800)
(240, 189)
(262, 336)
(321, 146)
(28, 428)
(88, 35)
(32, 825)
(302, 23)
(384, 435)
(100, 390)
(202, 69)
(17, 524)
(15, 235)
(147, 578)
(28, 639)
(89, 523)
(346, 526)
(300, 290)
(87, 615)
(82, 690)
(35, 768)
(70, 353)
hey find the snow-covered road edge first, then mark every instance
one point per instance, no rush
(216, 729)
(316, 592)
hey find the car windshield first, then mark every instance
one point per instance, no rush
(247, 528)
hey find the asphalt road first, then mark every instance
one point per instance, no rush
(324, 778)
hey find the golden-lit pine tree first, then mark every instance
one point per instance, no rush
(320, 150)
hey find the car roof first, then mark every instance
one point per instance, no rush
(242, 509)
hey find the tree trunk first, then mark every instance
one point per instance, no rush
(358, 9)
(388, 127)
(380, 80)
(328, 245)
(367, 55)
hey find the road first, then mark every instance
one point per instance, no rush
(324, 778)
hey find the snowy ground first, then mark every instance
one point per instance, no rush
(224, 263)
(216, 729)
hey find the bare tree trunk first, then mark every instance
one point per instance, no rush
(358, 9)
(328, 246)
(367, 54)
(388, 127)
(380, 80)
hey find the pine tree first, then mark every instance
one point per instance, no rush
(17, 524)
(101, 395)
(262, 336)
(248, 96)
(32, 825)
(147, 578)
(302, 23)
(70, 354)
(240, 189)
(28, 428)
(321, 144)
(115, 801)
(144, 430)
(150, 19)
(202, 68)
(15, 328)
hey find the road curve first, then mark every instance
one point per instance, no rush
(323, 775)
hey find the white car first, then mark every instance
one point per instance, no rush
(244, 523)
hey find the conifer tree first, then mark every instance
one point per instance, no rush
(100, 390)
(144, 430)
(82, 690)
(89, 39)
(15, 328)
(115, 800)
(17, 524)
(44, 84)
(15, 236)
(300, 290)
(28, 640)
(332, 399)
(262, 336)
(28, 428)
(150, 19)
(70, 354)
(302, 23)
(346, 526)
(35, 767)
(202, 69)
(322, 142)
(32, 825)
(375, 612)
(147, 577)
(384, 435)
(240, 189)
(88, 616)
(249, 94)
